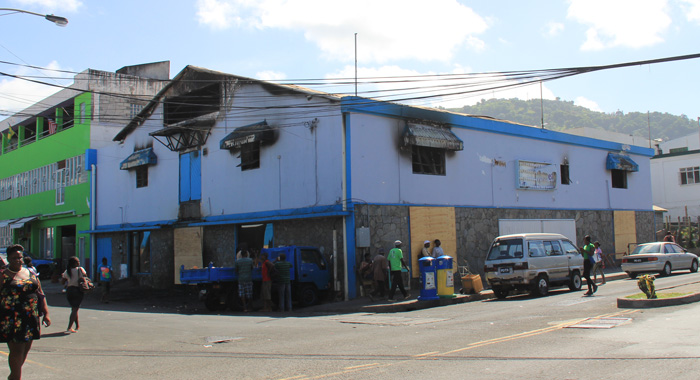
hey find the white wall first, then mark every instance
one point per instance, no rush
(382, 172)
(667, 189)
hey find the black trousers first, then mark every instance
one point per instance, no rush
(397, 280)
(587, 265)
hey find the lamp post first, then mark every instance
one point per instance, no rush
(58, 20)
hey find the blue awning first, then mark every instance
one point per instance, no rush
(432, 137)
(620, 162)
(139, 158)
(258, 132)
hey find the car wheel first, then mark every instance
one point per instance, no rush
(694, 266)
(541, 286)
(501, 293)
(575, 281)
(632, 275)
(667, 270)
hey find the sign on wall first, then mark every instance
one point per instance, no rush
(536, 175)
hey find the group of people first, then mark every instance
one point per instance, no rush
(592, 264)
(277, 273)
(436, 252)
(23, 306)
(382, 269)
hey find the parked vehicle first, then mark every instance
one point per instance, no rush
(219, 285)
(658, 257)
(44, 267)
(534, 262)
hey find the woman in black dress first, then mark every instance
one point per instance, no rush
(71, 277)
(19, 310)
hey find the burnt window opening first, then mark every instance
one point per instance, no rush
(250, 156)
(142, 176)
(428, 160)
(564, 169)
(619, 178)
(193, 104)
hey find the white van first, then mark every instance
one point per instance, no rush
(533, 262)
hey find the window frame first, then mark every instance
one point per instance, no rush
(618, 179)
(428, 160)
(141, 173)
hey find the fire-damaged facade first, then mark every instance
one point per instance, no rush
(216, 160)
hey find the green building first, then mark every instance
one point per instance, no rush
(48, 159)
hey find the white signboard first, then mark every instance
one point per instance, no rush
(536, 175)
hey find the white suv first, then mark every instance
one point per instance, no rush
(533, 262)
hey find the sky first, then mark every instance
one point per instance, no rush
(417, 47)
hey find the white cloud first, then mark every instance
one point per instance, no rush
(386, 30)
(18, 94)
(553, 29)
(51, 6)
(426, 89)
(691, 8)
(270, 75)
(216, 14)
(621, 23)
(590, 104)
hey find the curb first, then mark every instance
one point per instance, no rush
(420, 305)
(626, 303)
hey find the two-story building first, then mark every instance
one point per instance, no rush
(215, 159)
(676, 172)
(49, 150)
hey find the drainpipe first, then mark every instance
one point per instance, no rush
(93, 217)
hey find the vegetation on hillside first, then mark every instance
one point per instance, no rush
(560, 115)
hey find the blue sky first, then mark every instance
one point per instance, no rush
(287, 40)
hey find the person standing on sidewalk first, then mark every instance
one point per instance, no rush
(396, 263)
(380, 267)
(268, 271)
(105, 279)
(599, 264)
(244, 269)
(283, 280)
(588, 251)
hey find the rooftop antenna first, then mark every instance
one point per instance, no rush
(541, 105)
(355, 64)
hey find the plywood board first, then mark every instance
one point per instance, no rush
(187, 249)
(625, 230)
(430, 223)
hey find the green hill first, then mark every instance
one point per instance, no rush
(561, 115)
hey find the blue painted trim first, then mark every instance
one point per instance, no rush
(503, 208)
(375, 107)
(269, 219)
(280, 214)
(352, 257)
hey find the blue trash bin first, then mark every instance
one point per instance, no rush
(428, 279)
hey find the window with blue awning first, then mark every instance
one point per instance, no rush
(139, 158)
(621, 162)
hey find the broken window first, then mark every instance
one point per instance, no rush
(192, 104)
(250, 156)
(619, 178)
(142, 176)
(428, 160)
(564, 169)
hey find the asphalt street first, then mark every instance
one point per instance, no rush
(563, 336)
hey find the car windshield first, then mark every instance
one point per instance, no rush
(648, 248)
(503, 249)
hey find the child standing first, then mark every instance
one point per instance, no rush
(105, 279)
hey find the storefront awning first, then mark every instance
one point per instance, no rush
(620, 162)
(258, 132)
(432, 137)
(5, 223)
(139, 158)
(20, 222)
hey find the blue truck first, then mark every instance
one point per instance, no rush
(219, 285)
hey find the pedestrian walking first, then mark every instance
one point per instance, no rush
(599, 263)
(588, 251)
(21, 302)
(71, 278)
(283, 281)
(396, 263)
(105, 271)
(244, 269)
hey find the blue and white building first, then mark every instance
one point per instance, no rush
(215, 160)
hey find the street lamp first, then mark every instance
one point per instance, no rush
(58, 20)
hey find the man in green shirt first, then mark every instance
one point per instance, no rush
(588, 251)
(283, 282)
(396, 262)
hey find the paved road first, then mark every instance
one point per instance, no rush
(563, 336)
